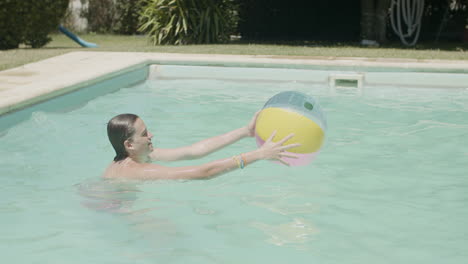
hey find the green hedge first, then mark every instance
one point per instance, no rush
(29, 21)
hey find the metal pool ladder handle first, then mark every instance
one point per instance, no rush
(350, 83)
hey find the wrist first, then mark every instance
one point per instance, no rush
(257, 154)
(246, 132)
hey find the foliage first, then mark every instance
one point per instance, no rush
(188, 21)
(127, 16)
(38, 19)
(296, 20)
(100, 15)
(10, 30)
(112, 16)
(43, 17)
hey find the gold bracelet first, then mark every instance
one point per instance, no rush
(237, 161)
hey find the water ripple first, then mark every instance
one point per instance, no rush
(296, 232)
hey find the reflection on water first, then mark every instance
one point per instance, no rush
(123, 199)
(283, 204)
(296, 232)
(108, 195)
(292, 203)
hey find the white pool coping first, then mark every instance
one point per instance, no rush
(39, 81)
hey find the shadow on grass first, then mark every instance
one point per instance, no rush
(67, 48)
(426, 45)
(49, 46)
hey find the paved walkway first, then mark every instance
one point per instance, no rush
(35, 82)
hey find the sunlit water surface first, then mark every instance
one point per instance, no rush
(390, 185)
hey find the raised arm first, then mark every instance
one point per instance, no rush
(269, 150)
(207, 146)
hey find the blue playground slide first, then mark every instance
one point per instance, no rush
(77, 39)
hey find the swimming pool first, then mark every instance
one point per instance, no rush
(388, 187)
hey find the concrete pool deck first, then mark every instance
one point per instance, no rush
(39, 81)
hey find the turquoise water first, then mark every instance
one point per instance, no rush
(388, 187)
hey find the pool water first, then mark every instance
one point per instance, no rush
(388, 187)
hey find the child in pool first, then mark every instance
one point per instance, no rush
(131, 140)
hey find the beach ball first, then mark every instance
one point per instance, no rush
(293, 112)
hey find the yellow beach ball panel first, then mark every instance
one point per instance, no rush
(284, 121)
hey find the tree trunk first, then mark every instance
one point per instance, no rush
(367, 19)
(381, 20)
(374, 14)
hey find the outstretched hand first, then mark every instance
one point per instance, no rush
(251, 125)
(276, 151)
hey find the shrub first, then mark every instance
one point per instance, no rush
(100, 15)
(112, 16)
(38, 19)
(188, 21)
(11, 31)
(43, 17)
(127, 16)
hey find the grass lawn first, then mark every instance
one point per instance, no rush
(61, 44)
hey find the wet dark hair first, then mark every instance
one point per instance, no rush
(119, 129)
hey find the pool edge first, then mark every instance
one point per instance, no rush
(40, 81)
